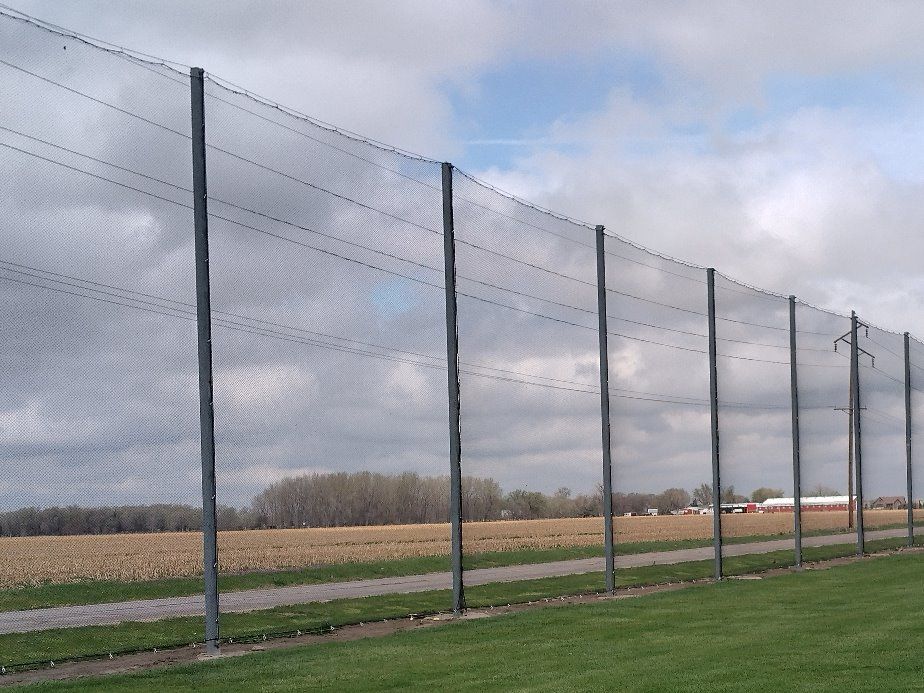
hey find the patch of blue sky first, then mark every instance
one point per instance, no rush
(512, 108)
(393, 297)
(877, 93)
(879, 104)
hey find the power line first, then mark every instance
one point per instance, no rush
(376, 267)
(183, 305)
(371, 266)
(896, 355)
(121, 52)
(185, 311)
(884, 415)
(265, 332)
(401, 219)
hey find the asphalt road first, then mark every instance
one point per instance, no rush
(266, 598)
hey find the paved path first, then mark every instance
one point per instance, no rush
(266, 598)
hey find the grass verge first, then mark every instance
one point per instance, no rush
(40, 647)
(818, 631)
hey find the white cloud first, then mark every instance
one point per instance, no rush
(820, 201)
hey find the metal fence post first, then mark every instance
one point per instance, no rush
(796, 471)
(714, 411)
(452, 360)
(204, 328)
(908, 439)
(858, 448)
(605, 416)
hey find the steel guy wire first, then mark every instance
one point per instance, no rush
(99, 44)
(141, 59)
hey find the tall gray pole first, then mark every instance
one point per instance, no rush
(909, 495)
(452, 359)
(204, 327)
(714, 411)
(796, 471)
(857, 441)
(605, 416)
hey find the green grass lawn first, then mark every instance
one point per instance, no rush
(60, 644)
(851, 628)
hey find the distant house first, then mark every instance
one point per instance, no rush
(652, 511)
(888, 503)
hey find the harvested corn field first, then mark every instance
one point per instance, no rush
(127, 557)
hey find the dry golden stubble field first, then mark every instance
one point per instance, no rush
(127, 557)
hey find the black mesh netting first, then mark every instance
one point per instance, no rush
(659, 411)
(329, 352)
(824, 422)
(99, 440)
(529, 356)
(755, 420)
(330, 373)
(882, 412)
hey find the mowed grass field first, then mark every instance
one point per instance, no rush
(144, 557)
(853, 627)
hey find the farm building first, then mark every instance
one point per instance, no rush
(694, 508)
(809, 504)
(888, 503)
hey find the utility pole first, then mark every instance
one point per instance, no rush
(849, 410)
(610, 578)
(851, 338)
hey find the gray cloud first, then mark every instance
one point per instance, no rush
(100, 404)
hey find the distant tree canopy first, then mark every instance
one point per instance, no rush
(114, 520)
(357, 498)
(822, 490)
(702, 494)
(759, 495)
(729, 495)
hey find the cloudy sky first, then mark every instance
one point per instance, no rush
(776, 143)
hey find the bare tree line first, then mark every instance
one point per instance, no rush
(346, 499)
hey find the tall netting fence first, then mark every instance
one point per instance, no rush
(827, 476)
(755, 421)
(529, 383)
(916, 358)
(99, 430)
(329, 314)
(659, 409)
(329, 361)
(882, 413)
